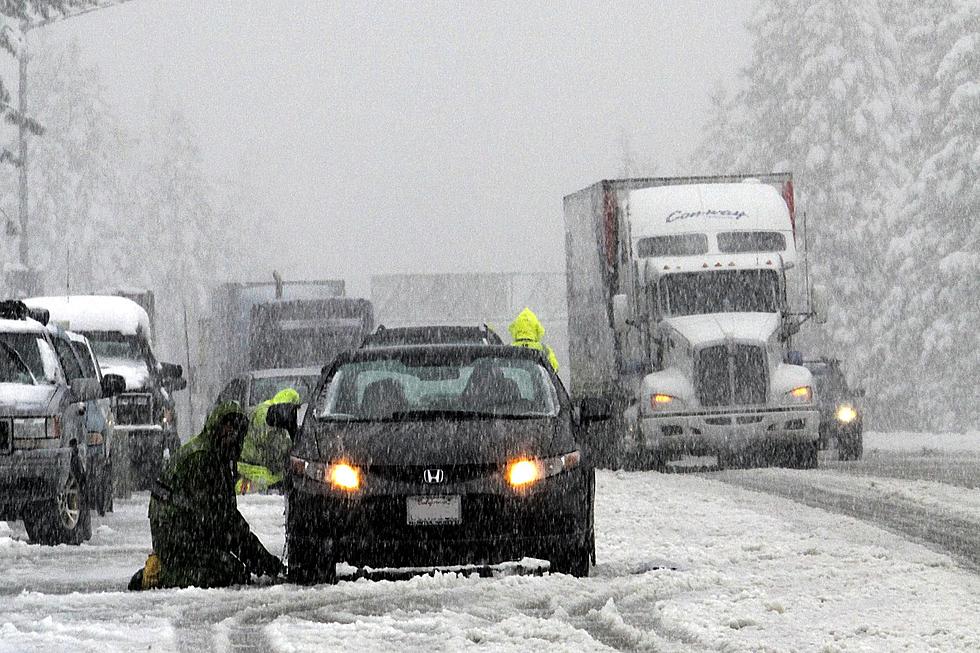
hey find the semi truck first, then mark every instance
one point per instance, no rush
(679, 318)
(276, 325)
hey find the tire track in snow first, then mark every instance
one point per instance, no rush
(954, 534)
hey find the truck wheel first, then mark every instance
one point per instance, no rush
(305, 567)
(804, 455)
(851, 448)
(66, 518)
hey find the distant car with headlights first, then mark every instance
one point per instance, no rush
(438, 455)
(45, 465)
(252, 388)
(841, 419)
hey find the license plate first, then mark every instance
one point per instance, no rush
(434, 510)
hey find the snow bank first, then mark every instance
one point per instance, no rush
(95, 313)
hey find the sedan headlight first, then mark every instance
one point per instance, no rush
(37, 427)
(846, 414)
(799, 395)
(664, 402)
(524, 472)
(338, 475)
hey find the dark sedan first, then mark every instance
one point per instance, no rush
(438, 455)
(841, 419)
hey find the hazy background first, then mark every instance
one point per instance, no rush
(416, 137)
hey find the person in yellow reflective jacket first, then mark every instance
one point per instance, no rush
(527, 331)
(263, 458)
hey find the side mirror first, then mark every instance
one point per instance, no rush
(818, 303)
(594, 409)
(794, 357)
(283, 416)
(112, 385)
(85, 390)
(859, 393)
(171, 371)
(621, 313)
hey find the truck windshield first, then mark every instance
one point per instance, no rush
(406, 388)
(728, 291)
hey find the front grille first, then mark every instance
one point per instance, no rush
(416, 473)
(6, 437)
(731, 375)
(134, 408)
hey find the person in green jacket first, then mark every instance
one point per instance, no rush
(527, 331)
(199, 537)
(263, 459)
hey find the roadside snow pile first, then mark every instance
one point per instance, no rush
(919, 442)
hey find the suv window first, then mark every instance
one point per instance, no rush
(12, 368)
(37, 354)
(84, 356)
(69, 362)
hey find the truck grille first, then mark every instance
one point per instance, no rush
(134, 408)
(731, 375)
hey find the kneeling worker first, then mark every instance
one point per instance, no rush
(199, 537)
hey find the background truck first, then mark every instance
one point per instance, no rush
(678, 315)
(276, 325)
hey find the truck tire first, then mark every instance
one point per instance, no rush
(803, 455)
(851, 448)
(64, 519)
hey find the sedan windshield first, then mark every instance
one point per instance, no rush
(413, 387)
(729, 291)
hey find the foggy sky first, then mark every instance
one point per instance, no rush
(417, 137)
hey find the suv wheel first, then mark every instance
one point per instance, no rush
(574, 560)
(65, 519)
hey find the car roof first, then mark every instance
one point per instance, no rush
(466, 351)
(21, 326)
(432, 334)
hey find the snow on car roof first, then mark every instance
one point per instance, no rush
(95, 313)
(21, 326)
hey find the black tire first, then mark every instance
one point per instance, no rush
(65, 519)
(850, 448)
(305, 567)
(574, 560)
(108, 488)
(803, 455)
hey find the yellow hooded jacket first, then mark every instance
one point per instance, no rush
(527, 331)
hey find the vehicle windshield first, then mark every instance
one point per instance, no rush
(297, 347)
(34, 352)
(266, 388)
(434, 386)
(116, 345)
(829, 380)
(728, 291)
(12, 367)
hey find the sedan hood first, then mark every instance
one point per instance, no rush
(20, 400)
(435, 442)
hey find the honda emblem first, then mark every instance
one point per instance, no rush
(433, 476)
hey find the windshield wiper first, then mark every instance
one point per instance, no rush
(455, 414)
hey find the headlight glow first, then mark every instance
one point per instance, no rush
(846, 414)
(660, 401)
(344, 476)
(527, 471)
(802, 395)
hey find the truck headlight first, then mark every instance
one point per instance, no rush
(799, 395)
(527, 471)
(664, 402)
(846, 414)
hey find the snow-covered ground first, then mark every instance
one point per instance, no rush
(686, 563)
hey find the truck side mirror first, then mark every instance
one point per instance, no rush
(283, 416)
(859, 393)
(818, 303)
(112, 385)
(171, 371)
(621, 313)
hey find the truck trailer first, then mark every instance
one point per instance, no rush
(678, 316)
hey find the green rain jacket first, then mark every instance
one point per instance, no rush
(263, 457)
(197, 531)
(527, 331)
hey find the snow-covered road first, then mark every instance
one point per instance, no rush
(686, 563)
